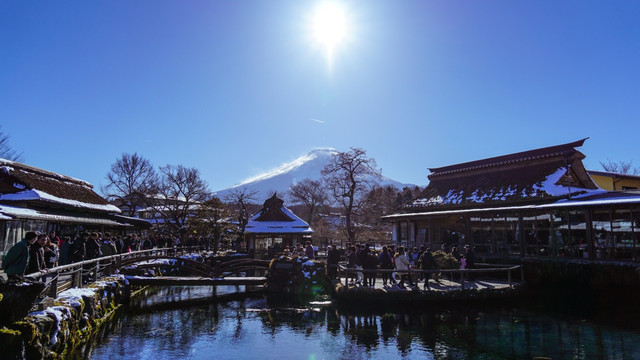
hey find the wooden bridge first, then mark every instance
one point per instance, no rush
(221, 272)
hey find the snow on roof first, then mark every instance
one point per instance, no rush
(297, 225)
(27, 195)
(575, 202)
(12, 212)
(8, 165)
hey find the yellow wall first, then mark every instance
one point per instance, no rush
(612, 183)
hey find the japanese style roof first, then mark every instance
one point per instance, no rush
(20, 183)
(530, 177)
(18, 213)
(275, 218)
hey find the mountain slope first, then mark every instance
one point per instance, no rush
(281, 178)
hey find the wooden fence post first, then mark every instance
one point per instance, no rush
(53, 287)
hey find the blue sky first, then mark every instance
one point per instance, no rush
(235, 88)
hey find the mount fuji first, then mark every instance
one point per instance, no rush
(281, 178)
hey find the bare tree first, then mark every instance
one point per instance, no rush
(349, 177)
(310, 194)
(6, 152)
(242, 199)
(212, 217)
(620, 167)
(130, 182)
(181, 191)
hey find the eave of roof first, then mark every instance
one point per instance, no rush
(37, 195)
(615, 198)
(11, 213)
(550, 151)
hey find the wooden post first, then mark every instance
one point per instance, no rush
(107, 269)
(78, 277)
(462, 279)
(53, 287)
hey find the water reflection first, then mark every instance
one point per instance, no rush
(255, 328)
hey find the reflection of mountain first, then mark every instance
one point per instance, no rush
(281, 178)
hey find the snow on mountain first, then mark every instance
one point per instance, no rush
(282, 177)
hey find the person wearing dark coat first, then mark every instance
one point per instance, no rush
(119, 245)
(92, 247)
(371, 264)
(385, 259)
(36, 255)
(428, 262)
(64, 251)
(16, 260)
(351, 262)
(50, 254)
(333, 257)
(78, 248)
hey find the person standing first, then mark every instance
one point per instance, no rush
(50, 254)
(385, 259)
(92, 247)
(78, 249)
(403, 266)
(428, 262)
(351, 263)
(309, 251)
(36, 255)
(16, 260)
(333, 257)
(64, 250)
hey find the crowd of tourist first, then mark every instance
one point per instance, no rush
(393, 265)
(38, 252)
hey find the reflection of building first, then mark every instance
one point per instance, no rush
(33, 199)
(275, 225)
(540, 202)
(612, 181)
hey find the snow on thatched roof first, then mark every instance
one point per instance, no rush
(22, 183)
(274, 217)
(535, 176)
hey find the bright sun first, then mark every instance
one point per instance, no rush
(330, 26)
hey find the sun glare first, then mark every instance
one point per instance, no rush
(330, 26)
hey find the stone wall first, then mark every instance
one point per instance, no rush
(73, 317)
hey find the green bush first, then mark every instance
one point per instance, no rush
(446, 260)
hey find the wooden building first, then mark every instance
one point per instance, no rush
(614, 181)
(33, 199)
(540, 202)
(275, 225)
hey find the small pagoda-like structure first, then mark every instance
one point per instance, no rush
(275, 226)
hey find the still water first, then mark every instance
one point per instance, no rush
(163, 327)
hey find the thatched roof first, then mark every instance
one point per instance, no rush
(273, 210)
(529, 177)
(275, 218)
(27, 184)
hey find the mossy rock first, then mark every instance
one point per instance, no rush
(299, 276)
(17, 299)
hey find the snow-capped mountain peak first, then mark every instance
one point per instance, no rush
(282, 177)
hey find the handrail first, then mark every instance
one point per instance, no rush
(99, 267)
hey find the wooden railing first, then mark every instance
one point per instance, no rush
(64, 277)
(462, 274)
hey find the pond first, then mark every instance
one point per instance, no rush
(180, 323)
